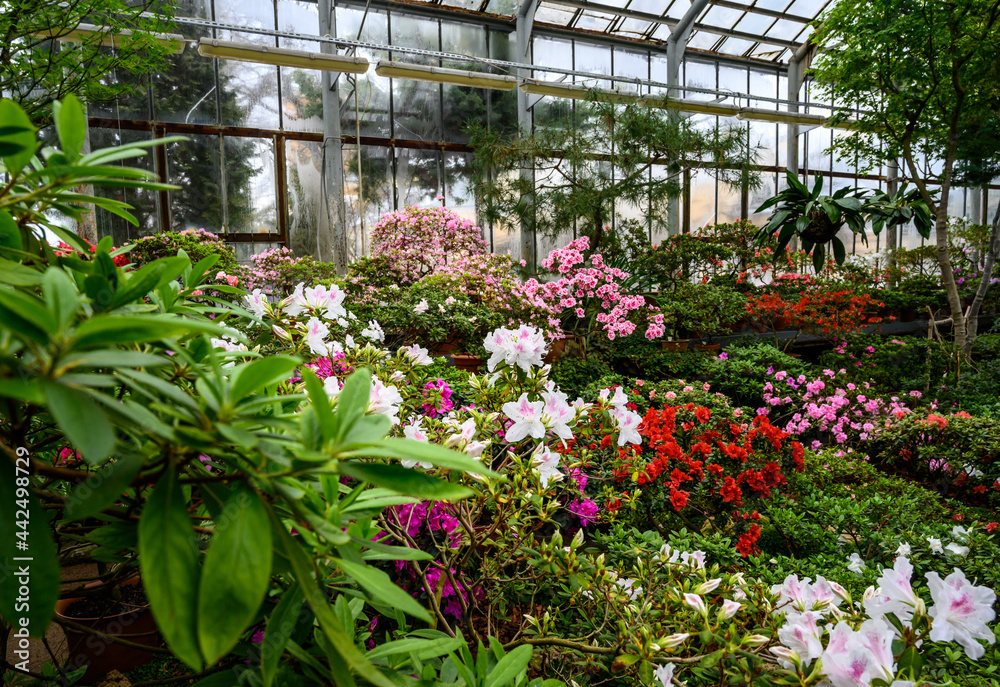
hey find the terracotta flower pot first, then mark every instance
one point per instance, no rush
(676, 345)
(102, 656)
(469, 363)
(556, 350)
(780, 323)
(708, 348)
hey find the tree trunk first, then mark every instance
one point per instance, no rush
(86, 226)
(984, 283)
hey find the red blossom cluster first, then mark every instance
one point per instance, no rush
(817, 310)
(64, 249)
(711, 464)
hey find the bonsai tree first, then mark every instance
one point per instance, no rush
(567, 185)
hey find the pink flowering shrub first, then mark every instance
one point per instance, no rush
(418, 241)
(278, 270)
(586, 297)
(831, 408)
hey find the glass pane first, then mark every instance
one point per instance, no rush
(767, 189)
(303, 194)
(632, 64)
(755, 24)
(185, 91)
(251, 195)
(418, 181)
(196, 166)
(458, 184)
(764, 135)
(301, 99)
(818, 141)
(732, 79)
(368, 195)
(593, 59)
(416, 110)
(463, 106)
(145, 203)
(131, 103)
(702, 199)
(721, 17)
(699, 75)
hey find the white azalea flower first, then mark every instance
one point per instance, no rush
(417, 354)
(527, 417)
(547, 464)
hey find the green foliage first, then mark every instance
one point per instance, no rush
(198, 244)
(120, 366)
(35, 73)
(633, 137)
(891, 364)
(742, 374)
(574, 375)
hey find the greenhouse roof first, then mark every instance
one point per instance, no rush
(761, 29)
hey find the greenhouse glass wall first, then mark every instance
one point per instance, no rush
(253, 169)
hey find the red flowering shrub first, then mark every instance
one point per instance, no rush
(819, 310)
(702, 466)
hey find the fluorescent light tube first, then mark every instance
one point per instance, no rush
(83, 33)
(282, 57)
(457, 77)
(758, 114)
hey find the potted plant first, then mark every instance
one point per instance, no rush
(117, 609)
(714, 310)
(814, 218)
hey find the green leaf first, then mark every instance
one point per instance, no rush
(19, 145)
(510, 667)
(23, 524)
(234, 575)
(71, 123)
(169, 566)
(421, 648)
(381, 588)
(423, 451)
(81, 420)
(303, 570)
(320, 405)
(16, 274)
(251, 377)
(280, 626)
(22, 389)
(60, 295)
(839, 251)
(819, 257)
(111, 330)
(405, 481)
(10, 237)
(102, 488)
(29, 308)
(352, 402)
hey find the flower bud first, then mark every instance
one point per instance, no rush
(673, 640)
(707, 586)
(697, 603)
(755, 640)
(281, 333)
(729, 609)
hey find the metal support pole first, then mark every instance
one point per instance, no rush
(676, 45)
(523, 23)
(796, 74)
(331, 237)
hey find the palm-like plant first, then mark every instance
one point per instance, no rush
(814, 218)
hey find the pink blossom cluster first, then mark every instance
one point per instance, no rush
(859, 656)
(845, 411)
(419, 241)
(265, 268)
(583, 289)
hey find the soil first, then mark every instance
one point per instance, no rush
(133, 597)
